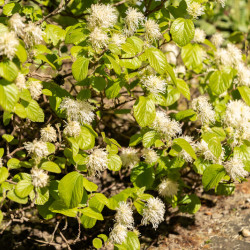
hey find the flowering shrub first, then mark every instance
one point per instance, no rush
(126, 89)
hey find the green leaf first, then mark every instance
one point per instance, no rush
(97, 243)
(186, 146)
(191, 204)
(4, 173)
(51, 167)
(11, 8)
(54, 34)
(245, 94)
(135, 140)
(188, 113)
(12, 196)
(33, 110)
(149, 138)
(8, 95)
(142, 176)
(144, 111)
(49, 58)
(170, 97)
(156, 59)
(13, 163)
(214, 144)
(7, 137)
(104, 237)
(21, 52)
(182, 31)
(71, 189)
(225, 189)
(220, 81)
(132, 242)
(58, 206)
(212, 176)
(192, 56)
(115, 65)
(114, 162)
(89, 186)
(1, 217)
(113, 89)
(92, 213)
(23, 188)
(20, 110)
(86, 139)
(80, 68)
(1, 152)
(183, 88)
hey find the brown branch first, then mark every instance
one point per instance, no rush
(119, 3)
(58, 10)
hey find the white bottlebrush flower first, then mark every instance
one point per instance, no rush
(118, 39)
(124, 215)
(165, 126)
(195, 9)
(168, 188)
(8, 44)
(237, 112)
(235, 53)
(152, 30)
(48, 134)
(102, 15)
(73, 128)
(118, 234)
(78, 110)
(243, 74)
(180, 69)
(99, 39)
(154, 84)
(132, 21)
(172, 52)
(222, 2)
(199, 36)
(97, 161)
(35, 88)
(20, 81)
(1, 162)
(16, 23)
(203, 150)
(204, 109)
(39, 177)
(223, 57)
(183, 154)
(217, 39)
(149, 155)
(37, 148)
(129, 157)
(153, 212)
(235, 168)
(33, 34)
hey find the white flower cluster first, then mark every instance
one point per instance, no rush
(204, 109)
(183, 154)
(8, 44)
(78, 110)
(235, 168)
(180, 69)
(35, 87)
(118, 39)
(48, 134)
(153, 212)
(39, 177)
(103, 16)
(1, 162)
(150, 155)
(33, 34)
(97, 161)
(195, 9)
(73, 128)
(129, 157)
(222, 2)
(132, 21)
(203, 150)
(152, 30)
(217, 39)
(20, 81)
(124, 221)
(199, 35)
(154, 84)
(16, 23)
(243, 74)
(168, 188)
(98, 38)
(37, 148)
(237, 121)
(165, 126)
